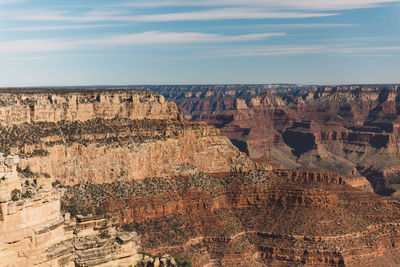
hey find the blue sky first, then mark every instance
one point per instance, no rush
(88, 42)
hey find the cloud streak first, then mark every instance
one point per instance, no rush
(60, 27)
(304, 50)
(145, 38)
(124, 16)
(320, 5)
(228, 13)
(138, 11)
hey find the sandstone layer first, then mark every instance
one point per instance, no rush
(107, 135)
(260, 218)
(34, 232)
(197, 100)
(352, 130)
(133, 174)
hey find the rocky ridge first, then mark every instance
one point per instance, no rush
(352, 130)
(172, 187)
(197, 100)
(107, 135)
(257, 218)
(33, 232)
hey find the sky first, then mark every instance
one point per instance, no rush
(120, 42)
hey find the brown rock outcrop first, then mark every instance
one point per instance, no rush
(52, 105)
(33, 232)
(102, 136)
(215, 207)
(258, 218)
(352, 130)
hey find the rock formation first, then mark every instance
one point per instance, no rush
(118, 177)
(104, 136)
(198, 100)
(259, 218)
(33, 231)
(352, 130)
(19, 106)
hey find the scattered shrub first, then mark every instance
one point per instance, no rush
(57, 183)
(27, 194)
(15, 194)
(183, 262)
(128, 227)
(104, 234)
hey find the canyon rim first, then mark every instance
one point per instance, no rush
(118, 177)
(199, 133)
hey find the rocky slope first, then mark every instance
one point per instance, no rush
(137, 183)
(352, 130)
(107, 135)
(260, 218)
(34, 231)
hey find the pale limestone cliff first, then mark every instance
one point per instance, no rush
(96, 163)
(104, 136)
(53, 106)
(9, 179)
(33, 232)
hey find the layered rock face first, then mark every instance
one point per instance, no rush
(259, 218)
(34, 233)
(208, 202)
(104, 136)
(40, 105)
(352, 130)
(197, 100)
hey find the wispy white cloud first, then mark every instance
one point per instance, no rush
(125, 16)
(229, 13)
(308, 25)
(292, 50)
(352, 50)
(48, 45)
(371, 55)
(164, 38)
(60, 27)
(321, 5)
(276, 26)
(129, 11)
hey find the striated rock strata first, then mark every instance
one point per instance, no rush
(33, 232)
(107, 135)
(352, 130)
(133, 174)
(259, 218)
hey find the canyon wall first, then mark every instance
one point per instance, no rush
(352, 130)
(102, 175)
(34, 232)
(46, 105)
(197, 100)
(259, 218)
(107, 135)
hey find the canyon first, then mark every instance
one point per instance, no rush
(257, 218)
(352, 130)
(94, 136)
(120, 177)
